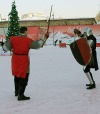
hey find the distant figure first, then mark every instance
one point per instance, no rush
(60, 41)
(55, 42)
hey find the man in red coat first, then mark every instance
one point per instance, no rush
(20, 46)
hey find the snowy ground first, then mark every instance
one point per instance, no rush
(56, 85)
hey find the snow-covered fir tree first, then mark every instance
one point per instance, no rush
(13, 28)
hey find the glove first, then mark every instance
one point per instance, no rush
(47, 35)
(2, 43)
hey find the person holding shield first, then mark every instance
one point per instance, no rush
(91, 40)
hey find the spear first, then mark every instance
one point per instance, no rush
(48, 24)
(49, 20)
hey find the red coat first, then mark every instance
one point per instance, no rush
(20, 45)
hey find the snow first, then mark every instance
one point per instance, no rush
(56, 85)
(58, 36)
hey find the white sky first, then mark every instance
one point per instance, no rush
(61, 8)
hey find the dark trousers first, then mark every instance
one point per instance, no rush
(87, 69)
(20, 84)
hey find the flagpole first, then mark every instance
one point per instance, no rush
(53, 28)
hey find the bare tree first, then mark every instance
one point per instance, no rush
(98, 17)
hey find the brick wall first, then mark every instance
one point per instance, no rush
(31, 23)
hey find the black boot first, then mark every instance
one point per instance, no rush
(92, 86)
(88, 84)
(21, 95)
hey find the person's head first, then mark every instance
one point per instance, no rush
(87, 32)
(77, 32)
(23, 30)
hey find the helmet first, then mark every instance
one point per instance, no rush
(87, 31)
(76, 31)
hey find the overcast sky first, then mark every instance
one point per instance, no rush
(61, 8)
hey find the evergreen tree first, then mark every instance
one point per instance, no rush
(13, 28)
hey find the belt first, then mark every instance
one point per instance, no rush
(19, 54)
